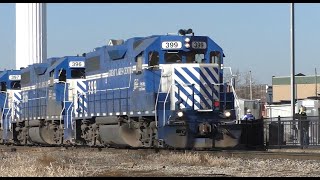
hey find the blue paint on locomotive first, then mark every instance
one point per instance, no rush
(121, 81)
(33, 88)
(172, 80)
(49, 80)
(112, 83)
(10, 98)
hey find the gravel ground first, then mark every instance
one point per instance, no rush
(140, 163)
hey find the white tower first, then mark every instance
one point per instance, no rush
(31, 34)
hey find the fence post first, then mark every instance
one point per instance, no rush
(279, 131)
(247, 144)
(300, 131)
(266, 130)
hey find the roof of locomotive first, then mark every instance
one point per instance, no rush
(5, 74)
(136, 45)
(64, 60)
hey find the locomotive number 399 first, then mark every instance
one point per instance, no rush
(171, 45)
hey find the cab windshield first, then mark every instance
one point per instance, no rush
(185, 57)
(15, 85)
(78, 73)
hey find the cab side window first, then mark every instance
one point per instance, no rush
(3, 86)
(62, 75)
(15, 85)
(215, 57)
(153, 58)
(139, 64)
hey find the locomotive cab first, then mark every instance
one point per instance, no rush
(10, 97)
(66, 75)
(192, 100)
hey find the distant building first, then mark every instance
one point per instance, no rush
(306, 87)
(259, 98)
(269, 95)
(259, 91)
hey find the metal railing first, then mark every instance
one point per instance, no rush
(301, 131)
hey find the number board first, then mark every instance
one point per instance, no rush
(14, 77)
(199, 45)
(76, 64)
(171, 45)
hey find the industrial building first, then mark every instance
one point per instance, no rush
(306, 87)
(307, 94)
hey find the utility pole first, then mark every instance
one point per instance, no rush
(250, 85)
(315, 73)
(292, 62)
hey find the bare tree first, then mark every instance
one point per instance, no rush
(242, 85)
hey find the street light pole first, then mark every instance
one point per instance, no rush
(250, 85)
(315, 73)
(292, 62)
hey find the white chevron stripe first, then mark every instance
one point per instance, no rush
(211, 82)
(195, 70)
(186, 88)
(213, 72)
(186, 99)
(185, 75)
(208, 88)
(196, 74)
(82, 84)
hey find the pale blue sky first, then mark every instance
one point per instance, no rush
(254, 36)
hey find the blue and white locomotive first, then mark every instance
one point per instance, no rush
(10, 98)
(162, 91)
(48, 91)
(158, 91)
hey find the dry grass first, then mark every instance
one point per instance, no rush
(22, 165)
(47, 163)
(194, 159)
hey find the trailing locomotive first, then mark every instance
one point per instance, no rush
(10, 97)
(161, 91)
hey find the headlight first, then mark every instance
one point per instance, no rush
(187, 40)
(227, 113)
(187, 45)
(180, 114)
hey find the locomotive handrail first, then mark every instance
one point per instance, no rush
(89, 92)
(7, 115)
(234, 92)
(236, 99)
(78, 98)
(164, 105)
(15, 107)
(64, 101)
(67, 114)
(157, 99)
(4, 105)
(35, 98)
(165, 101)
(71, 115)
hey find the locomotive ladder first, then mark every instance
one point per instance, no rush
(3, 110)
